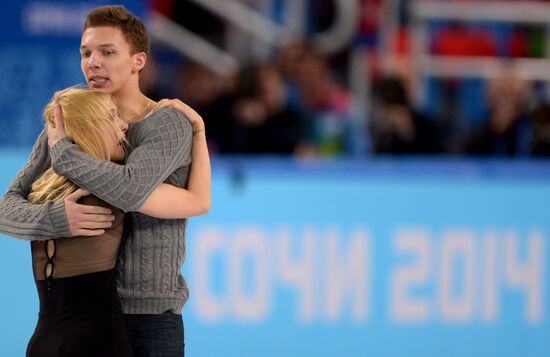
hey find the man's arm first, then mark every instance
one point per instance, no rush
(164, 145)
(24, 220)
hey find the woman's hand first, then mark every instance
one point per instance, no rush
(194, 118)
(56, 132)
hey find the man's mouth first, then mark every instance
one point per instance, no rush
(97, 81)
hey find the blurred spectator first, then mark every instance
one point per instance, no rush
(289, 56)
(541, 130)
(396, 128)
(507, 130)
(318, 116)
(263, 121)
(288, 61)
(333, 125)
(148, 80)
(209, 95)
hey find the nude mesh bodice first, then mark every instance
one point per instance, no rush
(79, 255)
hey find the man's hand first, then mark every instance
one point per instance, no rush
(194, 118)
(86, 220)
(56, 132)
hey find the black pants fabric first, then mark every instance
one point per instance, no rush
(80, 316)
(156, 335)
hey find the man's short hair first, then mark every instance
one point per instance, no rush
(130, 25)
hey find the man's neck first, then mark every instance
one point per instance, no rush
(130, 104)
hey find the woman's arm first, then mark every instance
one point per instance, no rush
(168, 201)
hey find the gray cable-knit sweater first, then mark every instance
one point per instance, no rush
(150, 279)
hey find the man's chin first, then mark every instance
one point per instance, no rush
(102, 88)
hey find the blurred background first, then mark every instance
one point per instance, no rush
(380, 171)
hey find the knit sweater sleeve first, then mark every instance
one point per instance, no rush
(161, 143)
(21, 219)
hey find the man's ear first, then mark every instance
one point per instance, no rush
(140, 59)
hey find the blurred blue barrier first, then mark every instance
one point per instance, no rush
(386, 257)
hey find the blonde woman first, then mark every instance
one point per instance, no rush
(80, 313)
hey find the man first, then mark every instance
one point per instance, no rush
(114, 48)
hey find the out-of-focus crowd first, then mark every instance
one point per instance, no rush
(296, 103)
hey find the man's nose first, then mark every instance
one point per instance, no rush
(93, 61)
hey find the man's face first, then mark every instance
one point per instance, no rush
(106, 61)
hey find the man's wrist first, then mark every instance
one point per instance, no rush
(58, 219)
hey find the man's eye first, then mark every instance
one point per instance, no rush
(86, 54)
(108, 52)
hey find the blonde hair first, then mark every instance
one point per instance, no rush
(84, 112)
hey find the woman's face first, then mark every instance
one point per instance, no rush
(114, 142)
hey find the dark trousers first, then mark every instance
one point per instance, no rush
(156, 335)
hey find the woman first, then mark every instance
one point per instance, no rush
(80, 313)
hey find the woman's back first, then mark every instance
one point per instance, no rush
(72, 256)
(80, 313)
